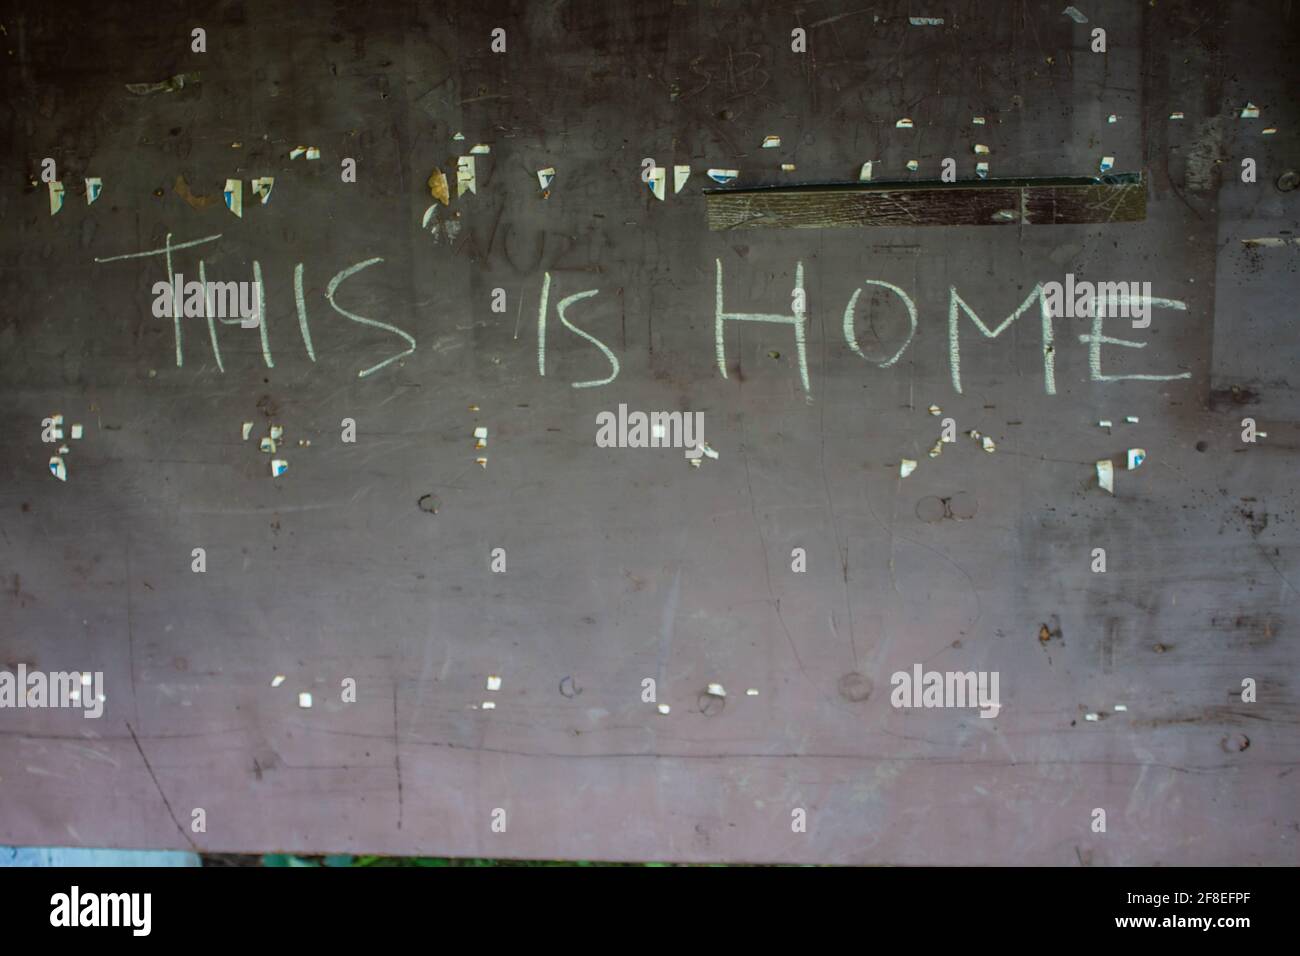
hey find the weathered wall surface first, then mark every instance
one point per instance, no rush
(627, 564)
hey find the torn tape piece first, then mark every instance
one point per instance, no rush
(94, 186)
(262, 188)
(169, 85)
(234, 196)
(656, 182)
(438, 189)
(1106, 475)
(1135, 457)
(545, 177)
(723, 176)
(56, 196)
(680, 175)
(465, 178)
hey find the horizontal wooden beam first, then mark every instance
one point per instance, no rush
(992, 202)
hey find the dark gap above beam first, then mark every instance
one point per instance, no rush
(992, 202)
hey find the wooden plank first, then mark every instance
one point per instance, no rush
(989, 203)
(1090, 203)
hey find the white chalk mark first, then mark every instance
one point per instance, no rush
(954, 342)
(1097, 339)
(613, 361)
(1271, 241)
(163, 251)
(329, 296)
(207, 314)
(166, 251)
(541, 323)
(261, 314)
(848, 319)
(302, 311)
(800, 309)
(1123, 299)
(176, 304)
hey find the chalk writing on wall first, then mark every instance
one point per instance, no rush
(796, 320)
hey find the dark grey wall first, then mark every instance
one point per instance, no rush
(629, 564)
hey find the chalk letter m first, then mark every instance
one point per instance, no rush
(954, 342)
